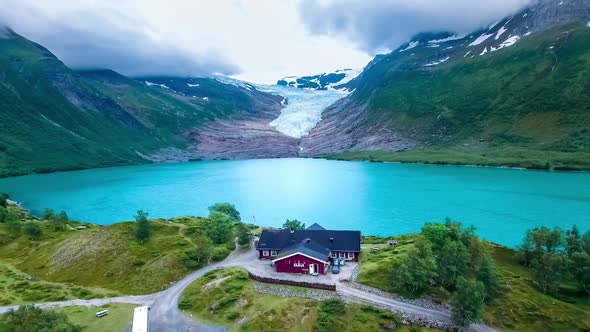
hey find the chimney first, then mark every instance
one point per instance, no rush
(331, 240)
(291, 230)
(308, 240)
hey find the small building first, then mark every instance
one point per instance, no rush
(309, 251)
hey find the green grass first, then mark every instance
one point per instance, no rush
(118, 320)
(106, 257)
(520, 305)
(509, 157)
(238, 306)
(16, 289)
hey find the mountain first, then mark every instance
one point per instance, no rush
(521, 84)
(333, 80)
(55, 118)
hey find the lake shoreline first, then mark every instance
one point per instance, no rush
(328, 157)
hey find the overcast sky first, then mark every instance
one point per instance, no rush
(256, 40)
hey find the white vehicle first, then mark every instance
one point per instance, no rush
(141, 319)
(102, 313)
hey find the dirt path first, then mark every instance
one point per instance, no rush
(165, 315)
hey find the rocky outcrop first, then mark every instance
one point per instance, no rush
(345, 127)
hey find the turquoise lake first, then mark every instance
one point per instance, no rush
(378, 199)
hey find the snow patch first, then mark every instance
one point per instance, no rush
(448, 39)
(509, 42)
(192, 85)
(466, 54)
(148, 83)
(410, 46)
(434, 46)
(481, 39)
(206, 98)
(485, 50)
(501, 32)
(435, 63)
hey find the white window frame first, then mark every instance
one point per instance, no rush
(299, 264)
(333, 254)
(351, 255)
(274, 253)
(265, 253)
(342, 255)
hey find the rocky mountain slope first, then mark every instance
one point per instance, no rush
(521, 82)
(54, 118)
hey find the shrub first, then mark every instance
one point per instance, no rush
(219, 254)
(185, 304)
(333, 306)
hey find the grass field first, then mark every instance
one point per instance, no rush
(227, 297)
(100, 257)
(520, 305)
(118, 320)
(509, 157)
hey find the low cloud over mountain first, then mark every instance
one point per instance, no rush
(381, 25)
(83, 38)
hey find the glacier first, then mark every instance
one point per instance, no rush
(303, 110)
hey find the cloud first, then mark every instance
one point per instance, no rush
(382, 25)
(88, 36)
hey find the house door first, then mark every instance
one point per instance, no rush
(313, 268)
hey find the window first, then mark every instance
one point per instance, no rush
(351, 255)
(342, 255)
(333, 254)
(299, 264)
(265, 253)
(274, 253)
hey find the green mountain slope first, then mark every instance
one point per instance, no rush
(513, 90)
(54, 118)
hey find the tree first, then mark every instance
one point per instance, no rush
(579, 267)
(32, 318)
(201, 254)
(3, 213)
(549, 271)
(527, 249)
(586, 242)
(573, 240)
(417, 269)
(143, 227)
(219, 229)
(452, 261)
(488, 277)
(4, 200)
(294, 225)
(59, 221)
(438, 234)
(48, 214)
(33, 230)
(467, 302)
(554, 240)
(227, 209)
(244, 234)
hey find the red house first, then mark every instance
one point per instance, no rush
(309, 251)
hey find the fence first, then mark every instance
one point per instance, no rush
(315, 285)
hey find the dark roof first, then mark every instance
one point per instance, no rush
(331, 240)
(308, 248)
(315, 227)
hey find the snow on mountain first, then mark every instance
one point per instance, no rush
(325, 81)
